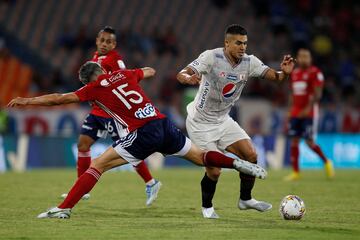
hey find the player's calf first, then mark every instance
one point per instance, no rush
(217, 159)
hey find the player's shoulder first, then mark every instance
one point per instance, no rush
(249, 57)
(314, 69)
(296, 70)
(208, 52)
(101, 81)
(113, 55)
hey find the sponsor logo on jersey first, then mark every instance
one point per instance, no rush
(204, 94)
(232, 77)
(146, 112)
(112, 79)
(217, 55)
(228, 90)
(195, 63)
(299, 88)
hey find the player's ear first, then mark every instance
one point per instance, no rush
(226, 42)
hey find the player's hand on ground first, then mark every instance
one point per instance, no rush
(287, 64)
(19, 101)
(193, 80)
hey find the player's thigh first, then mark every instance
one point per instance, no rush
(90, 132)
(195, 155)
(231, 132)
(296, 128)
(244, 149)
(308, 128)
(108, 160)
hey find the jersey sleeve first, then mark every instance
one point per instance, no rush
(203, 63)
(138, 74)
(86, 93)
(257, 67)
(115, 63)
(318, 78)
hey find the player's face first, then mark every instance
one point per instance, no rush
(303, 58)
(105, 42)
(236, 45)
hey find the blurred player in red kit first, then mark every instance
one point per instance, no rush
(306, 88)
(98, 124)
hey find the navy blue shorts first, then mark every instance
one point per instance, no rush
(159, 135)
(301, 127)
(99, 127)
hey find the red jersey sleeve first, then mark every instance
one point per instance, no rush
(138, 73)
(318, 78)
(114, 63)
(83, 93)
(87, 92)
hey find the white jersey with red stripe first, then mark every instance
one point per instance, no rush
(221, 84)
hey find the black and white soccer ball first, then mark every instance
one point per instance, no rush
(292, 207)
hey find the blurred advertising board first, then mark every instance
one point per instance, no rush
(24, 152)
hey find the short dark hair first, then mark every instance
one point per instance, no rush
(108, 29)
(87, 70)
(235, 29)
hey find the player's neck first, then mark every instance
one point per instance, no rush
(304, 67)
(233, 61)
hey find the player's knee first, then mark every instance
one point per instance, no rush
(98, 165)
(295, 142)
(83, 146)
(309, 142)
(213, 173)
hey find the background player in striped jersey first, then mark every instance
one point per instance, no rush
(222, 74)
(98, 124)
(306, 89)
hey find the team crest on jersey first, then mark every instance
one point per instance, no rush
(222, 74)
(147, 111)
(104, 83)
(228, 90)
(242, 76)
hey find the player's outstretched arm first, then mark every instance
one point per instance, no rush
(45, 100)
(188, 76)
(286, 67)
(148, 72)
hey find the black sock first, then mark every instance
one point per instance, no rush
(208, 188)
(246, 185)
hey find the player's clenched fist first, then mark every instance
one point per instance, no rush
(287, 64)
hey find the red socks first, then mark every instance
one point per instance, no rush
(319, 152)
(143, 171)
(83, 162)
(217, 159)
(83, 185)
(294, 156)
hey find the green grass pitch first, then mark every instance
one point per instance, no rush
(117, 209)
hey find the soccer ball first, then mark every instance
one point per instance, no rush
(292, 207)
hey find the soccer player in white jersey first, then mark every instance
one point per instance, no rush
(222, 74)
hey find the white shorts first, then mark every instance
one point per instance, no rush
(215, 137)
